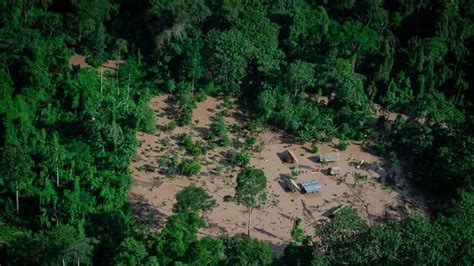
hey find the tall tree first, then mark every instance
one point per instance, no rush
(250, 190)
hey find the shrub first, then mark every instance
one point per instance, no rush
(314, 148)
(147, 122)
(249, 142)
(194, 148)
(172, 125)
(165, 141)
(202, 96)
(190, 167)
(186, 104)
(342, 145)
(218, 131)
(255, 125)
(236, 158)
(294, 174)
(185, 118)
(360, 177)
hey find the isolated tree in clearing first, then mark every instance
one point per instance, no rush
(250, 190)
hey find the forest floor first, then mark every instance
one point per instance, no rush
(80, 60)
(153, 193)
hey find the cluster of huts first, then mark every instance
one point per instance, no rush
(311, 185)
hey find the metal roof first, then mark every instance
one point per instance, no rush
(329, 157)
(311, 186)
(335, 170)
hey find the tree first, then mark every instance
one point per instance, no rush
(353, 39)
(63, 244)
(130, 252)
(297, 231)
(250, 190)
(300, 76)
(178, 235)
(228, 54)
(193, 199)
(207, 251)
(242, 251)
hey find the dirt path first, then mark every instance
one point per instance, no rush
(152, 194)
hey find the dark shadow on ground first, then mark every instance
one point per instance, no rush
(146, 213)
(201, 131)
(283, 184)
(314, 158)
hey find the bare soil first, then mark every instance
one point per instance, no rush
(153, 194)
(80, 60)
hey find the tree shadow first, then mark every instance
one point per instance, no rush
(145, 212)
(279, 249)
(148, 184)
(269, 234)
(201, 131)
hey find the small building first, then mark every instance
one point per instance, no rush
(290, 157)
(291, 185)
(335, 170)
(329, 157)
(311, 186)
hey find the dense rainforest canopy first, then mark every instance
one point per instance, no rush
(67, 135)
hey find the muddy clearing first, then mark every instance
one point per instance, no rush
(152, 195)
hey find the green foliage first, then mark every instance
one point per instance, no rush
(300, 76)
(228, 55)
(190, 167)
(130, 252)
(297, 231)
(186, 104)
(360, 177)
(194, 148)
(314, 148)
(241, 251)
(147, 124)
(171, 125)
(294, 174)
(250, 142)
(218, 131)
(193, 199)
(61, 244)
(67, 135)
(342, 145)
(238, 158)
(250, 189)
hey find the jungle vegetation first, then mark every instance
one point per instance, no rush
(67, 135)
